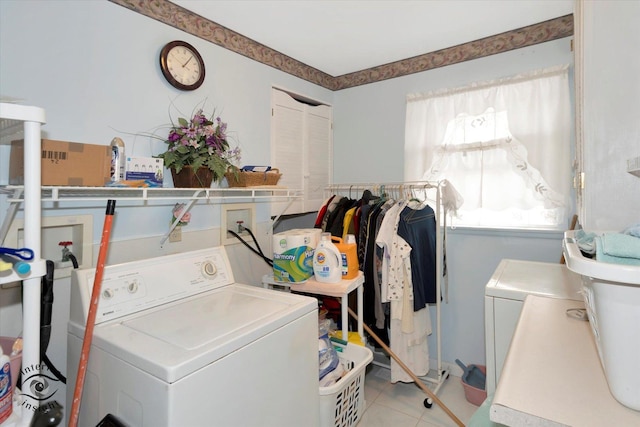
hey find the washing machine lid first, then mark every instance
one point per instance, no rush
(177, 339)
(515, 279)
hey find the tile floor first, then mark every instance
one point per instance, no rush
(401, 404)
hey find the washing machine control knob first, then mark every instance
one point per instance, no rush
(107, 293)
(132, 287)
(209, 269)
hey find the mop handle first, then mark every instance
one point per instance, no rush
(91, 317)
(415, 378)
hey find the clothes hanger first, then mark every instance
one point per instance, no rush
(414, 198)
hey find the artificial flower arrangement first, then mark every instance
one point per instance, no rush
(201, 142)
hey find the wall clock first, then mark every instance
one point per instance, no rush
(182, 65)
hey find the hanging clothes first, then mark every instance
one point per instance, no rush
(412, 348)
(408, 329)
(376, 266)
(322, 212)
(369, 310)
(330, 209)
(348, 225)
(417, 226)
(335, 222)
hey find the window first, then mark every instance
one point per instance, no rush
(503, 145)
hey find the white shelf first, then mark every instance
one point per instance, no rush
(13, 116)
(257, 194)
(219, 195)
(25, 121)
(38, 269)
(341, 290)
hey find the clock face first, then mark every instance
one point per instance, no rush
(182, 65)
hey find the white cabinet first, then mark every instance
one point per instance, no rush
(302, 149)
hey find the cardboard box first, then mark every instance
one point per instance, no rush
(65, 163)
(148, 169)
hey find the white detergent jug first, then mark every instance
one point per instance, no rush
(327, 261)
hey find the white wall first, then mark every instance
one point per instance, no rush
(611, 105)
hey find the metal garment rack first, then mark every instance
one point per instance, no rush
(403, 190)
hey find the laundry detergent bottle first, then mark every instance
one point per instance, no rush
(349, 256)
(327, 261)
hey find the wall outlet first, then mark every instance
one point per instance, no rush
(237, 217)
(176, 235)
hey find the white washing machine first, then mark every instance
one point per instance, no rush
(178, 343)
(505, 292)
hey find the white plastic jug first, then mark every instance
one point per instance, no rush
(327, 261)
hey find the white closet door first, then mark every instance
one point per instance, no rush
(319, 154)
(301, 148)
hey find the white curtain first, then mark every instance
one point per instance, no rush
(504, 145)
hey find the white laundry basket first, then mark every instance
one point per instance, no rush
(342, 404)
(612, 299)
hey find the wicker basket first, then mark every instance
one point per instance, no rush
(251, 179)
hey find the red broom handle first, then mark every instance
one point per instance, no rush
(91, 317)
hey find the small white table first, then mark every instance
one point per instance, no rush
(340, 290)
(552, 375)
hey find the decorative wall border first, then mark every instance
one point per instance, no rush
(185, 20)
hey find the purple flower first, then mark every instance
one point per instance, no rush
(211, 141)
(174, 136)
(191, 132)
(198, 119)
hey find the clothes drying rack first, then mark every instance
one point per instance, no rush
(428, 191)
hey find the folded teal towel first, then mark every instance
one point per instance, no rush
(618, 248)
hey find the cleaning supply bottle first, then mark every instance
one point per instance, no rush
(6, 393)
(327, 262)
(117, 160)
(349, 256)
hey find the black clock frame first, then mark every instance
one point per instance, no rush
(165, 69)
